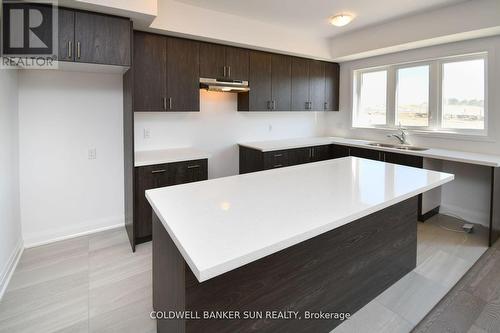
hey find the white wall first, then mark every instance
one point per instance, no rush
(177, 18)
(470, 190)
(10, 224)
(61, 116)
(218, 127)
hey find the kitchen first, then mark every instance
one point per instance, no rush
(304, 113)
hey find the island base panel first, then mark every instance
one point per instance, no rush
(338, 271)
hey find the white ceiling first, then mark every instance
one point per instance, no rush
(312, 16)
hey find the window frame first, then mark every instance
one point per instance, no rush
(436, 78)
(358, 94)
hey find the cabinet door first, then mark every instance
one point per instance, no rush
(321, 153)
(260, 81)
(300, 84)
(331, 87)
(66, 27)
(337, 151)
(236, 63)
(212, 60)
(150, 72)
(316, 85)
(366, 153)
(403, 159)
(299, 156)
(102, 39)
(183, 86)
(281, 70)
(147, 178)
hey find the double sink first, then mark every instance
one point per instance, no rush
(400, 147)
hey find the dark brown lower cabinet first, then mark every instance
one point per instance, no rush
(161, 175)
(252, 160)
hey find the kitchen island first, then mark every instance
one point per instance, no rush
(323, 237)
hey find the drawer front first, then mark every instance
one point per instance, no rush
(188, 171)
(337, 151)
(276, 159)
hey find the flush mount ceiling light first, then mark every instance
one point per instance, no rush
(341, 20)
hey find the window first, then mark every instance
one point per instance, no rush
(372, 100)
(440, 95)
(412, 96)
(463, 94)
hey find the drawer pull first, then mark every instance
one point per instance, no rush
(158, 171)
(277, 166)
(278, 155)
(193, 166)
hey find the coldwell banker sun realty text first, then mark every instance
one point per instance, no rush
(29, 34)
(243, 315)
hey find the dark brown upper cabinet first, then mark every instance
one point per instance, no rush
(316, 85)
(150, 72)
(281, 67)
(259, 97)
(166, 73)
(94, 38)
(237, 63)
(332, 79)
(66, 27)
(270, 83)
(183, 62)
(223, 62)
(212, 61)
(300, 84)
(102, 39)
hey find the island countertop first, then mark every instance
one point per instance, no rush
(222, 224)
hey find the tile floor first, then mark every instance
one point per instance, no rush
(96, 284)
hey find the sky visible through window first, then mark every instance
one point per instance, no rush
(413, 96)
(463, 94)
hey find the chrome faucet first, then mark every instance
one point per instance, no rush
(402, 136)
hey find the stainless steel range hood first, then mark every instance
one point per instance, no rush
(224, 85)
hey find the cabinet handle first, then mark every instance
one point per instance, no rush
(158, 171)
(193, 166)
(228, 71)
(326, 106)
(164, 103)
(170, 103)
(70, 49)
(277, 166)
(312, 150)
(278, 155)
(225, 71)
(274, 105)
(78, 50)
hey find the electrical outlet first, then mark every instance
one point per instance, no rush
(147, 133)
(92, 154)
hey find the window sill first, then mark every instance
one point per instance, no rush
(431, 134)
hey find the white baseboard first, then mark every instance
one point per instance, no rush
(10, 267)
(470, 216)
(51, 236)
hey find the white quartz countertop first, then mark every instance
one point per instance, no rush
(152, 157)
(437, 153)
(221, 224)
